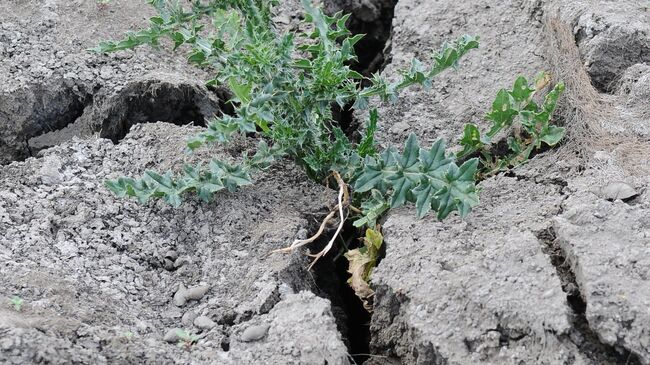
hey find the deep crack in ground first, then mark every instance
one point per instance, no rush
(581, 334)
(353, 320)
(156, 100)
(372, 52)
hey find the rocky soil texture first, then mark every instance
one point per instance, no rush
(552, 268)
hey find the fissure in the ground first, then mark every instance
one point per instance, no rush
(373, 52)
(158, 100)
(589, 343)
(353, 320)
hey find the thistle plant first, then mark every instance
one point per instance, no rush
(284, 86)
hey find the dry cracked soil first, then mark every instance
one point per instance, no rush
(553, 267)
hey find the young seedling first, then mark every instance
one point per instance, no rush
(17, 302)
(186, 339)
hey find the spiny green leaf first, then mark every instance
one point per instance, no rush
(241, 90)
(424, 195)
(429, 178)
(373, 172)
(372, 209)
(231, 176)
(405, 173)
(460, 191)
(367, 145)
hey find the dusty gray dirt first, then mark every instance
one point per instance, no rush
(101, 277)
(481, 290)
(300, 330)
(551, 268)
(50, 82)
(510, 38)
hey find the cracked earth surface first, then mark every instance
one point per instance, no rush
(551, 268)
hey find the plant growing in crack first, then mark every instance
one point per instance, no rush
(515, 109)
(284, 87)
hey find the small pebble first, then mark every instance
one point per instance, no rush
(254, 333)
(204, 322)
(188, 318)
(196, 292)
(179, 297)
(172, 335)
(179, 262)
(171, 255)
(168, 264)
(618, 190)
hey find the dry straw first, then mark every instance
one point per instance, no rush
(588, 113)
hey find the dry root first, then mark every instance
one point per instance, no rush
(340, 208)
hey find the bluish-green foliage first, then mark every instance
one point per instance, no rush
(284, 86)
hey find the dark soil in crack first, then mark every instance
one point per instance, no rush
(374, 19)
(157, 100)
(371, 52)
(37, 110)
(353, 321)
(585, 338)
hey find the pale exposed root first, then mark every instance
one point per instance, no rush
(300, 243)
(343, 202)
(343, 198)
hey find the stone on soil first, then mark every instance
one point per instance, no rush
(254, 333)
(172, 336)
(204, 323)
